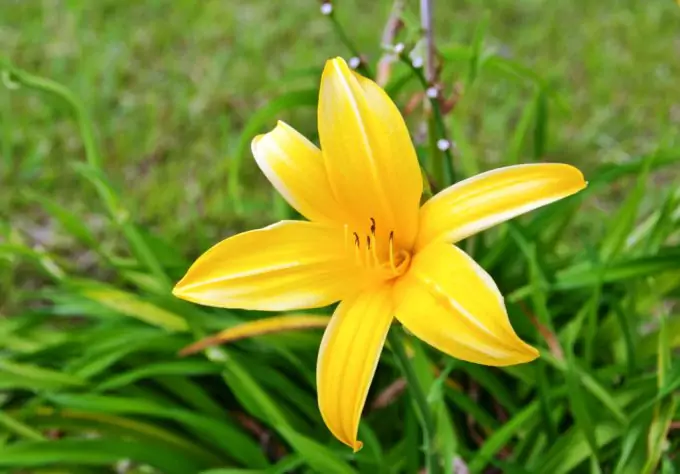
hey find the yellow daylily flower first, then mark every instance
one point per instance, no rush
(370, 245)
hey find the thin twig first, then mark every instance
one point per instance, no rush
(389, 394)
(328, 9)
(550, 337)
(438, 120)
(392, 27)
(426, 24)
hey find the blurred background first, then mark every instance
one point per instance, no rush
(89, 376)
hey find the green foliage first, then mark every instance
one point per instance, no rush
(90, 378)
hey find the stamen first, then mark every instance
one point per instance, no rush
(369, 250)
(372, 227)
(357, 249)
(374, 251)
(393, 266)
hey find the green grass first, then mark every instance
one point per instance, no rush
(89, 335)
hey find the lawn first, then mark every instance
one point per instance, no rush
(94, 234)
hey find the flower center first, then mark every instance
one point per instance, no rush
(377, 251)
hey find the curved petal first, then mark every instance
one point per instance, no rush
(348, 357)
(371, 163)
(288, 265)
(447, 300)
(493, 197)
(295, 168)
(258, 327)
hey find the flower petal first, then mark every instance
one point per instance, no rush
(258, 327)
(295, 168)
(348, 357)
(450, 302)
(493, 197)
(371, 163)
(288, 265)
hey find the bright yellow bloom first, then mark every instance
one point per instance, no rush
(369, 244)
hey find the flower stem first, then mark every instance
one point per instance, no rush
(437, 122)
(340, 31)
(426, 25)
(420, 400)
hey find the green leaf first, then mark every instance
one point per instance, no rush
(502, 437)
(231, 440)
(14, 425)
(521, 134)
(585, 275)
(579, 406)
(572, 448)
(71, 223)
(177, 367)
(193, 394)
(621, 224)
(95, 452)
(658, 432)
(262, 406)
(19, 375)
(111, 425)
(130, 305)
(541, 125)
(591, 385)
(477, 58)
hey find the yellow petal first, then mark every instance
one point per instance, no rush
(493, 197)
(447, 300)
(371, 163)
(348, 357)
(289, 322)
(295, 168)
(288, 265)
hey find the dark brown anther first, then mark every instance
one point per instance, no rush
(391, 235)
(356, 239)
(368, 241)
(372, 227)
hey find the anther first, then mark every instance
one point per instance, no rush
(357, 244)
(368, 242)
(372, 227)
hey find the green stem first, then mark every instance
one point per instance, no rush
(436, 165)
(84, 123)
(340, 31)
(437, 122)
(93, 157)
(419, 399)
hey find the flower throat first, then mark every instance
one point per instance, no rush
(372, 252)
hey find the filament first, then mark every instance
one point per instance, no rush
(357, 247)
(392, 264)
